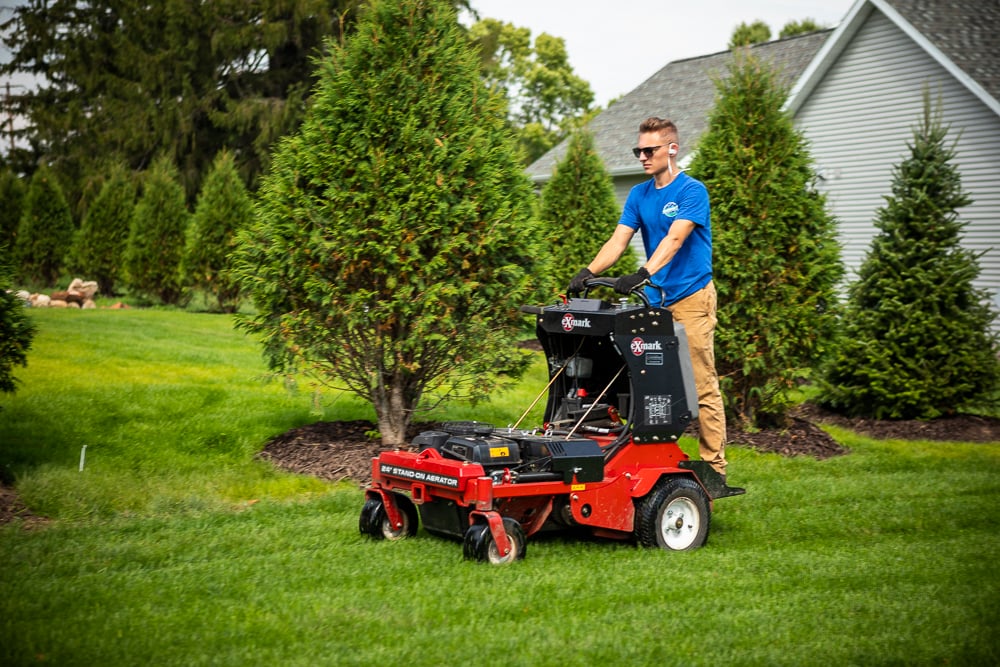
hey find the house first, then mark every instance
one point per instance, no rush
(856, 93)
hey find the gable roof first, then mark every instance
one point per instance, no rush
(684, 91)
(963, 36)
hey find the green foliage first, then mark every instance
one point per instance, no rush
(177, 546)
(580, 209)
(16, 328)
(395, 236)
(46, 230)
(174, 78)
(546, 98)
(156, 236)
(805, 26)
(776, 258)
(916, 335)
(12, 193)
(99, 251)
(224, 208)
(746, 34)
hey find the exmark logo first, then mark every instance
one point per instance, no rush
(569, 322)
(639, 347)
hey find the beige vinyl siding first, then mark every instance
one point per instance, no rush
(860, 119)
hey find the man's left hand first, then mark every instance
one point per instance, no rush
(625, 284)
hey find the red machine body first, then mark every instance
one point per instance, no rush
(586, 467)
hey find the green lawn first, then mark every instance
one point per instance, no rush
(174, 546)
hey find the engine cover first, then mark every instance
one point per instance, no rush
(488, 451)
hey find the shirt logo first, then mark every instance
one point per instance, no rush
(670, 209)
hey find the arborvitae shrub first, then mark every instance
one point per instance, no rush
(156, 236)
(580, 209)
(395, 237)
(12, 193)
(223, 208)
(916, 338)
(99, 251)
(45, 232)
(776, 260)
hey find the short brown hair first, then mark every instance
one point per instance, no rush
(661, 125)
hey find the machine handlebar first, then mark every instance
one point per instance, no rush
(639, 290)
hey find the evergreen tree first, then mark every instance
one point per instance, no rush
(45, 232)
(776, 260)
(12, 193)
(99, 251)
(580, 210)
(156, 236)
(175, 78)
(224, 208)
(16, 329)
(395, 239)
(916, 333)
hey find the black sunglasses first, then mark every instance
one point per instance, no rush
(647, 151)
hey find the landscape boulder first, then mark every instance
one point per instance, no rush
(84, 288)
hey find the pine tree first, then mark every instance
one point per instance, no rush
(395, 238)
(99, 251)
(580, 210)
(223, 209)
(12, 193)
(776, 262)
(156, 236)
(174, 77)
(916, 338)
(45, 232)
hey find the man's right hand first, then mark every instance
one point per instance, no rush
(577, 284)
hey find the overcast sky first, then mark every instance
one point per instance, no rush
(617, 44)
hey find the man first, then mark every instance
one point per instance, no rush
(672, 212)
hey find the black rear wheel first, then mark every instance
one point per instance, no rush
(675, 516)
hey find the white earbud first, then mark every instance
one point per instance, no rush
(672, 151)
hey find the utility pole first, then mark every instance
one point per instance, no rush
(10, 117)
(9, 107)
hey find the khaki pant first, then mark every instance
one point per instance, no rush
(697, 314)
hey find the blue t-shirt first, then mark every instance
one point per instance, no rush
(651, 211)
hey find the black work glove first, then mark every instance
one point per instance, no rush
(626, 284)
(576, 284)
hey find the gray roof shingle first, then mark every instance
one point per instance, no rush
(967, 32)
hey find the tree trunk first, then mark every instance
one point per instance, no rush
(393, 413)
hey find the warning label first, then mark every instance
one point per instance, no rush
(657, 410)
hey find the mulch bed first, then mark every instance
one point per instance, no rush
(341, 450)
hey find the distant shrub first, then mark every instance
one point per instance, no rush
(223, 209)
(156, 236)
(45, 232)
(99, 250)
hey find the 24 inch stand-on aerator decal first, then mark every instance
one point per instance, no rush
(419, 475)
